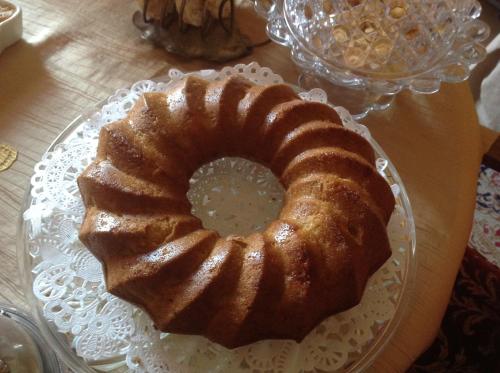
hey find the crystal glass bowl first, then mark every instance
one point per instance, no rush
(363, 52)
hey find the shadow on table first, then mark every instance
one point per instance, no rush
(22, 77)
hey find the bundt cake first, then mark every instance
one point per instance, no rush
(310, 263)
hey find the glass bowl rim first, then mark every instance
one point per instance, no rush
(356, 73)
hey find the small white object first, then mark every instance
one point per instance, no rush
(487, 105)
(11, 28)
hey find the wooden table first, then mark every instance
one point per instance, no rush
(76, 53)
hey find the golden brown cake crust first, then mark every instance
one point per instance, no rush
(310, 263)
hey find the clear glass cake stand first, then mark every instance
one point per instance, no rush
(402, 232)
(363, 52)
(59, 342)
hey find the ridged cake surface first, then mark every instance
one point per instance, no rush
(310, 263)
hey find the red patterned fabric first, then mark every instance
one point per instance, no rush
(469, 337)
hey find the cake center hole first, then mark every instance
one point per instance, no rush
(235, 196)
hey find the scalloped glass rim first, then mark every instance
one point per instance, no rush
(358, 73)
(66, 354)
(294, 40)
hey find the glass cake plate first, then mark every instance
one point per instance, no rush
(91, 329)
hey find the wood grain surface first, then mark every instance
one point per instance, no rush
(76, 53)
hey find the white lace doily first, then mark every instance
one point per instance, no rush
(70, 294)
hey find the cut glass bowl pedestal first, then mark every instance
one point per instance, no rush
(363, 52)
